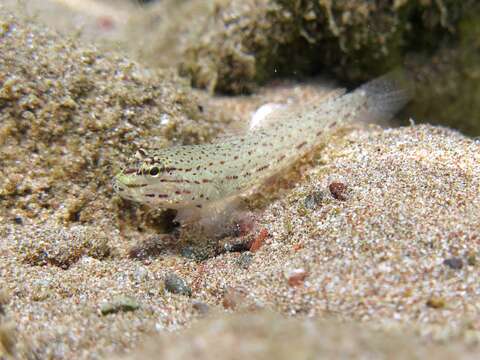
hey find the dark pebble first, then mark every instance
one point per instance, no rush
(152, 247)
(233, 245)
(188, 252)
(18, 220)
(244, 260)
(176, 285)
(200, 307)
(472, 259)
(453, 263)
(197, 253)
(338, 190)
(313, 200)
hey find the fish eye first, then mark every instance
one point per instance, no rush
(154, 171)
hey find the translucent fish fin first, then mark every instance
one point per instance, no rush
(213, 217)
(335, 93)
(271, 113)
(264, 116)
(188, 215)
(385, 96)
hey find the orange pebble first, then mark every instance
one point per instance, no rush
(296, 277)
(259, 240)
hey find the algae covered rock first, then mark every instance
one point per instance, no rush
(229, 46)
(232, 46)
(448, 83)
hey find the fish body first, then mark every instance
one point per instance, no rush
(193, 175)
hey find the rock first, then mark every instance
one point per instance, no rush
(234, 298)
(436, 302)
(244, 260)
(201, 307)
(176, 285)
(313, 200)
(259, 240)
(453, 263)
(296, 277)
(338, 190)
(120, 304)
(350, 39)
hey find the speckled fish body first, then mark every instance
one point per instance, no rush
(185, 176)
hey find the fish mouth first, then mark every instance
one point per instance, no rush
(127, 186)
(123, 182)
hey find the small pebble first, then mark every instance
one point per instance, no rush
(196, 253)
(313, 200)
(188, 252)
(338, 190)
(141, 274)
(298, 247)
(259, 240)
(18, 220)
(4, 300)
(244, 260)
(234, 298)
(472, 259)
(436, 302)
(176, 285)
(120, 304)
(453, 263)
(233, 245)
(296, 277)
(200, 307)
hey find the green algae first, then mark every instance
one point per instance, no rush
(232, 47)
(120, 304)
(448, 86)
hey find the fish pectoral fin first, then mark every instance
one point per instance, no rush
(188, 215)
(213, 216)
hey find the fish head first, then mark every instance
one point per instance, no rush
(149, 178)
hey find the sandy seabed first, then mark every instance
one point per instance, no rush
(373, 252)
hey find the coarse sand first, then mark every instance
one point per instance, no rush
(265, 336)
(401, 252)
(372, 252)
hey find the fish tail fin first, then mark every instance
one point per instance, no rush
(385, 96)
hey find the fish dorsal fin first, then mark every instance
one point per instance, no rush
(272, 113)
(265, 115)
